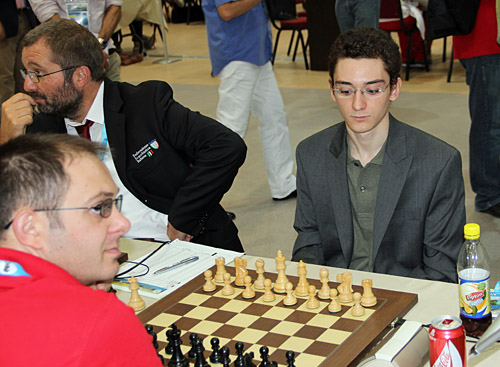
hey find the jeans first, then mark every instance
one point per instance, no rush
(357, 13)
(483, 78)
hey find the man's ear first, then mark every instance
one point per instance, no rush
(332, 93)
(28, 228)
(395, 89)
(82, 76)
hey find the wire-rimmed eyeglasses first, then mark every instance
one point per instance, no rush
(36, 75)
(369, 91)
(104, 209)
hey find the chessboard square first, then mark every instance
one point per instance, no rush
(320, 348)
(221, 316)
(222, 342)
(242, 320)
(324, 321)
(180, 309)
(186, 323)
(286, 328)
(255, 348)
(200, 313)
(195, 299)
(306, 359)
(278, 313)
(322, 305)
(205, 327)
(215, 302)
(279, 356)
(296, 344)
(227, 331)
(368, 313)
(343, 310)
(250, 336)
(236, 293)
(310, 332)
(334, 336)
(263, 323)
(346, 324)
(273, 340)
(277, 300)
(256, 309)
(235, 306)
(164, 319)
(300, 317)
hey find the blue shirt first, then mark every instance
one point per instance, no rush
(244, 38)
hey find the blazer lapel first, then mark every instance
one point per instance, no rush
(395, 167)
(340, 199)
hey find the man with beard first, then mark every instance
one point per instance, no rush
(172, 165)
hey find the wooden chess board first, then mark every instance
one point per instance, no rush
(317, 336)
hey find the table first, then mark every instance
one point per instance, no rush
(434, 298)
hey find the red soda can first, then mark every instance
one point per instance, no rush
(447, 342)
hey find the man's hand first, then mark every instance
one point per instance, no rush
(174, 234)
(103, 285)
(17, 112)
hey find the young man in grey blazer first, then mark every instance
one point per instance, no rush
(375, 194)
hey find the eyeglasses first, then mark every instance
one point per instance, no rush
(36, 75)
(104, 209)
(371, 92)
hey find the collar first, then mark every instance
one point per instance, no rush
(96, 111)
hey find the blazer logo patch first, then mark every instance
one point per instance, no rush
(146, 151)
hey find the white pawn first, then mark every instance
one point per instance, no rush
(259, 269)
(312, 302)
(324, 292)
(209, 285)
(290, 299)
(248, 292)
(357, 309)
(268, 296)
(228, 288)
(334, 305)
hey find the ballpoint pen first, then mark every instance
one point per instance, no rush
(177, 264)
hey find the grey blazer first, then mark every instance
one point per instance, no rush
(419, 214)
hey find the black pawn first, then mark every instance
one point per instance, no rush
(193, 337)
(150, 330)
(177, 359)
(264, 355)
(215, 357)
(239, 361)
(200, 358)
(290, 358)
(224, 352)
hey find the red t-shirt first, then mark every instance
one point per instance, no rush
(483, 38)
(48, 318)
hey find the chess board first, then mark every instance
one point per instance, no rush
(316, 336)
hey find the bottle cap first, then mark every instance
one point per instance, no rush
(471, 231)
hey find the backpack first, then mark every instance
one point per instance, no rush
(281, 9)
(451, 17)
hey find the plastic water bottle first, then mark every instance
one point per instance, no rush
(473, 267)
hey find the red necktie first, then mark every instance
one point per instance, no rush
(84, 130)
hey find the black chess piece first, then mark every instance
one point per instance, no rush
(264, 355)
(239, 361)
(225, 360)
(200, 357)
(290, 358)
(169, 348)
(177, 359)
(215, 357)
(193, 337)
(248, 358)
(150, 330)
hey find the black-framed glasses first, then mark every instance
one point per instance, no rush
(104, 209)
(36, 75)
(369, 91)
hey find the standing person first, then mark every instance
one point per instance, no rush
(173, 165)
(357, 13)
(60, 228)
(99, 16)
(479, 53)
(373, 193)
(240, 45)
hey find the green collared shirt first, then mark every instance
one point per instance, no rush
(363, 187)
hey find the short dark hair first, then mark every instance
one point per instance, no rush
(367, 43)
(32, 172)
(71, 45)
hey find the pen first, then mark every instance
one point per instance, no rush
(177, 264)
